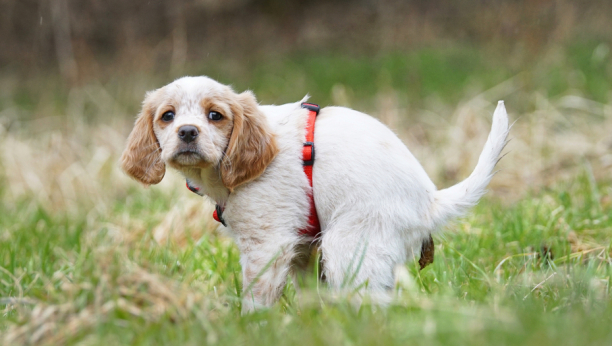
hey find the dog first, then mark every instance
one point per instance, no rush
(375, 204)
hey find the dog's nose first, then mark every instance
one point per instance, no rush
(188, 133)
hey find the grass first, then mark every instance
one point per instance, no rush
(421, 77)
(449, 72)
(75, 283)
(88, 257)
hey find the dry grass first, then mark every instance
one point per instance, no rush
(73, 309)
(65, 162)
(550, 144)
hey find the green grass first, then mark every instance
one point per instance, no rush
(490, 282)
(448, 73)
(89, 272)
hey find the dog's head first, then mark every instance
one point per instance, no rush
(196, 122)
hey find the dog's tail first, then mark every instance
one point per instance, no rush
(456, 200)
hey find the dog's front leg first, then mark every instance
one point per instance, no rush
(265, 261)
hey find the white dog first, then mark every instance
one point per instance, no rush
(375, 203)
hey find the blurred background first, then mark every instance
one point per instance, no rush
(88, 256)
(73, 75)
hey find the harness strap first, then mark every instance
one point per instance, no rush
(308, 156)
(218, 213)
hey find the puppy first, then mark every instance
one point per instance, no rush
(375, 203)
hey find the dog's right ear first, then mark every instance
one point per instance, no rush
(252, 146)
(141, 158)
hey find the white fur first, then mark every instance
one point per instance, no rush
(375, 202)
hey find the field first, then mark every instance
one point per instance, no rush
(89, 257)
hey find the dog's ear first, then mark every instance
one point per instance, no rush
(252, 145)
(141, 158)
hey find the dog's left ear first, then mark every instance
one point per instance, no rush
(252, 145)
(141, 158)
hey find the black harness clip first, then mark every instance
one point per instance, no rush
(311, 107)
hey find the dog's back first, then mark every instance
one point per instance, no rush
(375, 201)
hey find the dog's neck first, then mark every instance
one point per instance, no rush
(210, 183)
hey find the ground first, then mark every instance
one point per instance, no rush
(89, 257)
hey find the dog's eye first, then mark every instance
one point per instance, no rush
(168, 116)
(212, 115)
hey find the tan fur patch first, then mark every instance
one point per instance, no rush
(427, 252)
(141, 158)
(252, 145)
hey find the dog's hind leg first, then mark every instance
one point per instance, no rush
(355, 261)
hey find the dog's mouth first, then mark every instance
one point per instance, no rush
(189, 157)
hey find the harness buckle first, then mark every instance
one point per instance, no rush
(312, 153)
(311, 107)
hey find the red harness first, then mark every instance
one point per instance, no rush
(308, 156)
